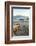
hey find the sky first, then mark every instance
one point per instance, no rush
(22, 12)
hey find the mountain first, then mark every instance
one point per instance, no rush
(22, 18)
(18, 17)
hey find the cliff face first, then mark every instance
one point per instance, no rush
(23, 29)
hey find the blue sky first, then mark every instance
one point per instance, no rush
(22, 12)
